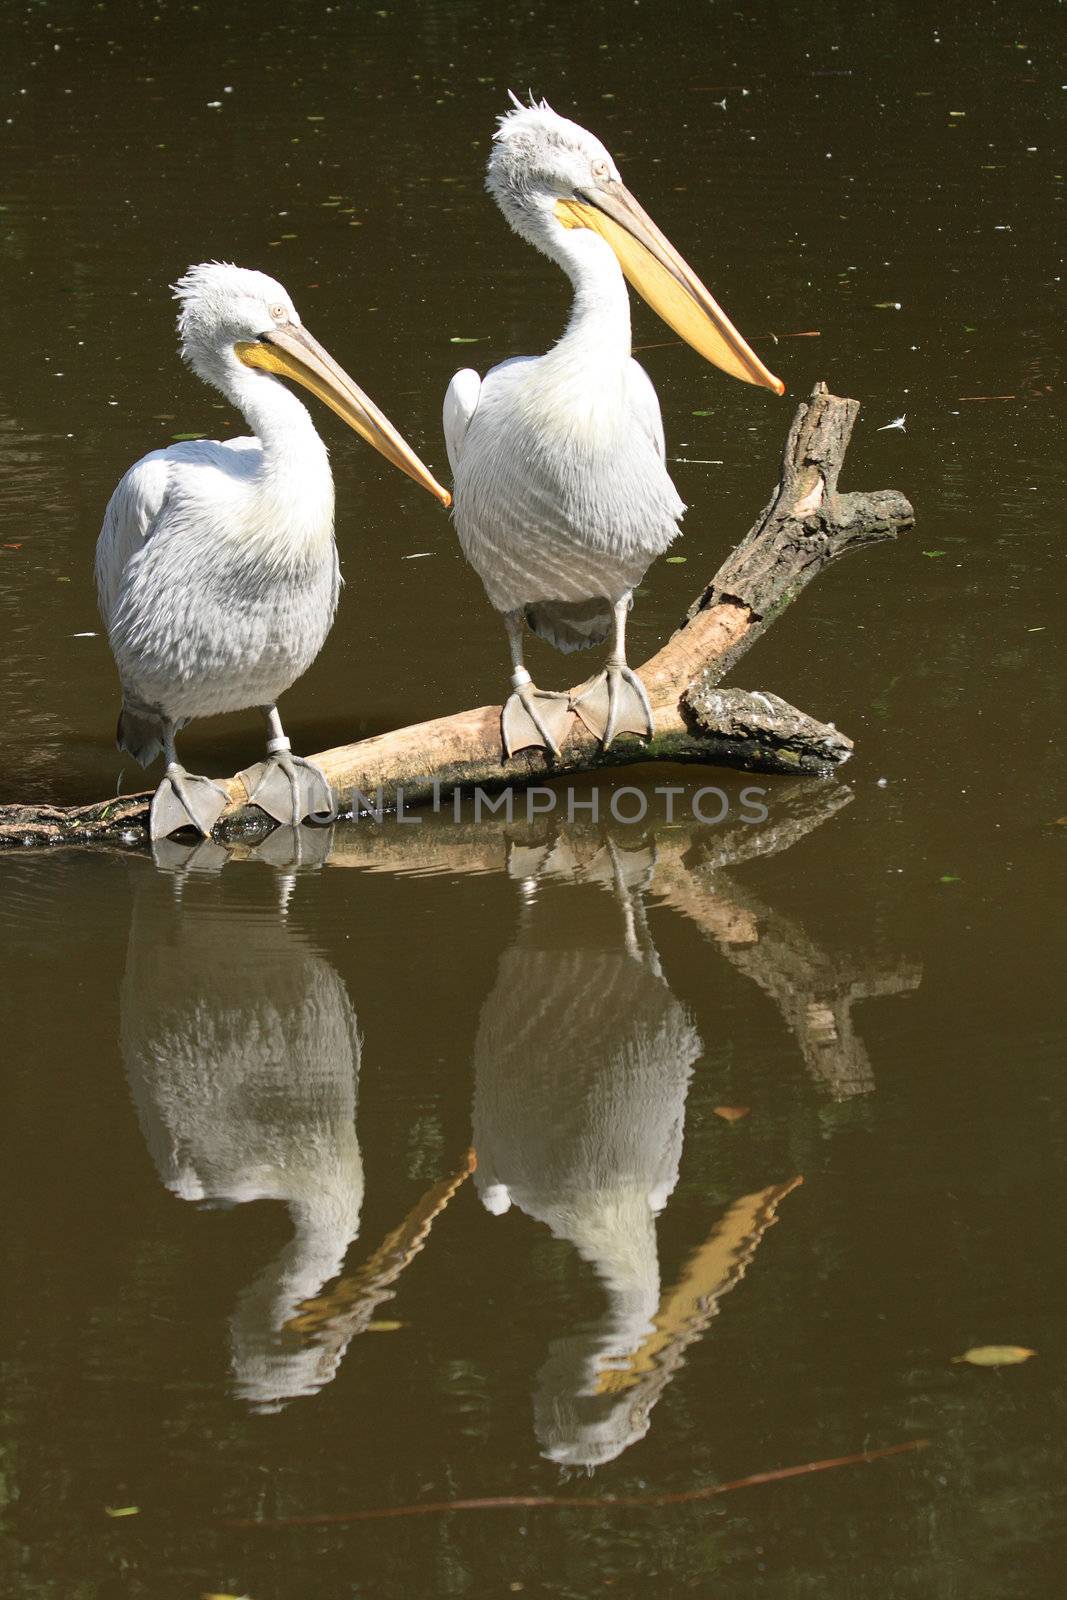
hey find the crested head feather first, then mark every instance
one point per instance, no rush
(535, 124)
(220, 303)
(537, 157)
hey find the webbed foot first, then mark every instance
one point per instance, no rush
(534, 717)
(184, 800)
(615, 702)
(288, 788)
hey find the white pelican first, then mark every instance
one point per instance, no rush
(562, 496)
(216, 566)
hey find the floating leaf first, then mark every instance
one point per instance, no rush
(183, 438)
(996, 1355)
(213, 1596)
(948, 877)
(675, 561)
(459, 338)
(122, 1511)
(933, 554)
(385, 1327)
(732, 1113)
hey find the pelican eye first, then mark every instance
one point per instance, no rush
(279, 313)
(600, 168)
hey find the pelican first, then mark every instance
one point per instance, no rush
(562, 495)
(216, 567)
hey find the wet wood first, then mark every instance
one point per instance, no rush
(806, 525)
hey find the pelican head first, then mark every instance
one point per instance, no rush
(549, 176)
(233, 319)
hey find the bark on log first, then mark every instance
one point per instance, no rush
(806, 525)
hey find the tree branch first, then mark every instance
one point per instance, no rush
(806, 525)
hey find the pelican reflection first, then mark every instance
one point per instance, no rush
(583, 1061)
(242, 1050)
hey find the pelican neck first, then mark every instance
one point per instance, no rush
(280, 421)
(600, 312)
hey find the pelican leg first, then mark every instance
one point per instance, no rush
(531, 716)
(183, 800)
(616, 701)
(285, 786)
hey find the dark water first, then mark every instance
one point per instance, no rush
(248, 1272)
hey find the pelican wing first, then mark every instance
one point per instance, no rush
(132, 513)
(138, 506)
(461, 402)
(645, 403)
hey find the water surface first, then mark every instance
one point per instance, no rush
(251, 1272)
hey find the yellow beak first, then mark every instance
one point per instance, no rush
(291, 352)
(664, 279)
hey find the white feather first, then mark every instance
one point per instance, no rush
(562, 494)
(461, 402)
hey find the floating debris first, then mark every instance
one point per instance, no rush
(897, 422)
(996, 1355)
(525, 1502)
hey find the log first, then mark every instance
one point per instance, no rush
(806, 525)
